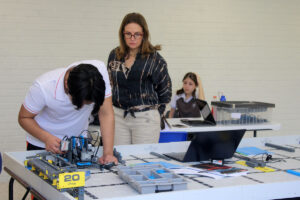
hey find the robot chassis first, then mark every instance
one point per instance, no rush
(65, 172)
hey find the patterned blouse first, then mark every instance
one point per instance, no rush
(146, 85)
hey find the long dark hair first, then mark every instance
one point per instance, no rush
(146, 47)
(85, 83)
(193, 77)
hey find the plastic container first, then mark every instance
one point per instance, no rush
(151, 178)
(172, 137)
(242, 112)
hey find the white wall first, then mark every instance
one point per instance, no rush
(247, 49)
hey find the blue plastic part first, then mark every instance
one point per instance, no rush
(172, 137)
(162, 163)
(160, 171)
(29, 167)
(83, 163)
(82, 142)
(87, 173)
(293, 172)
(73, 143)
(151, 177)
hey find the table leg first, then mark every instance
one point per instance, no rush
(25, 195)
(14, 177)
(11, 189)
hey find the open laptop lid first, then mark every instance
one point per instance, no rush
(213, 145)
(206, 114)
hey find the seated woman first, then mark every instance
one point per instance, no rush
(184, 103)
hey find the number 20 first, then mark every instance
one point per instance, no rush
(74, 177)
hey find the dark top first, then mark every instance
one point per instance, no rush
(146, 84)
(187, 109)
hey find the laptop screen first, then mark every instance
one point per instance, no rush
(216, 145)
(205, 112)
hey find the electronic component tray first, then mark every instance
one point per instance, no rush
(151, 178)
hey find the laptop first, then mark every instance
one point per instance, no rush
(206, 114)
(215, 145)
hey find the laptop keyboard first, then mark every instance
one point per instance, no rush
(197, 122)
(179, 156)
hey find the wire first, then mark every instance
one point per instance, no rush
(98, 137)
(65, 137)
(83, 131)
(264, 157)
(95, 140)
(89, 138)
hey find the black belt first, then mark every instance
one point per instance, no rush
(132, 111)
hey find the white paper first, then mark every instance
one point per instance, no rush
(236, 115)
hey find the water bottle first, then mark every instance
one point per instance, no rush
(213, 112)
(222, 98)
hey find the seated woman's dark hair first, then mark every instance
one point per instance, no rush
(193, 77)
(85, 83)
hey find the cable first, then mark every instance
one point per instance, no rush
(83, 131)
(265, 157)
(98, 137)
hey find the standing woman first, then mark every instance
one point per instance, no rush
(141, 84)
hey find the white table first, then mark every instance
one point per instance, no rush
(190, 129)
(107, 185)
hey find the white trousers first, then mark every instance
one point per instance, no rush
(144, 129)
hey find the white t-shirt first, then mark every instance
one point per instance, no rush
(55, 112)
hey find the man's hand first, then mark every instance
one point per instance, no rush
(52, 144)
(108, 159)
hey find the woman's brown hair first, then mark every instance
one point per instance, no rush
(146, 47)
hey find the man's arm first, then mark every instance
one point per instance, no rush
(27, 122)
(107, 127)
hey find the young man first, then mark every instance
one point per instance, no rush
(60, 102)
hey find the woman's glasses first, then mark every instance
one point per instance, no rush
(137, 35)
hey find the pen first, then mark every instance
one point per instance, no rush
(280, 147)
